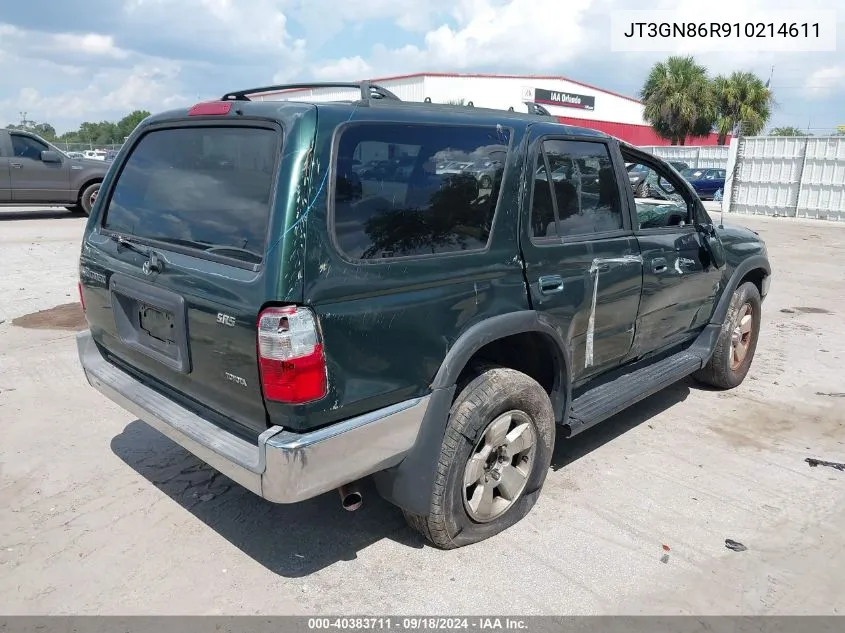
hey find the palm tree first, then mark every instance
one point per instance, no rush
(678, 100)
(741, 99)
(788, 131)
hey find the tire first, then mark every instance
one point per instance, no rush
(496, 402)
(727, 368)
(88, 196)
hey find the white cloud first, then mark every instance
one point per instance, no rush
(824, 80)
(344, 69)
(91, 43)
(537, 33)
(140, 53)
(143, 88)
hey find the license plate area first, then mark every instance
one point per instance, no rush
(151, 320)
(156, 323)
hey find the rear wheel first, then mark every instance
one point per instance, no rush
(493, 461)
(737, 341)
(88, 197)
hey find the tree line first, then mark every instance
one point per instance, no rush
(88, 133)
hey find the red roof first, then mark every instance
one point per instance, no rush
(635, 134)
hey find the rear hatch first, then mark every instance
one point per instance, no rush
(174, 268)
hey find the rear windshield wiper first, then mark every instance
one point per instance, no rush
(125, 242)
(209, 247)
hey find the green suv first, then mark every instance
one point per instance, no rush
(307, 294)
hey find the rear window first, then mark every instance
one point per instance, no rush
(205, 188)
(414, 190)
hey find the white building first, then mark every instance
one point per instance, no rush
(572, 102)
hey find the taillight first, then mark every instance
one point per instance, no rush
(81, 296)
(290, 355)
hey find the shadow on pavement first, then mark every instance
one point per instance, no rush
(38, 214)
(289, 540)
(297, 540)
(568, 451)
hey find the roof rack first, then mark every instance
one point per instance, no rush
(368, 90)
(533, 108)
(536, 108)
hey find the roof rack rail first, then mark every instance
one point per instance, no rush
(536, 108)
(368, 90)
(533, 108)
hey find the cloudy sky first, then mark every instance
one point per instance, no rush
(67, 62)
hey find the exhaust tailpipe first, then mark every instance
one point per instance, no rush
(350, 497)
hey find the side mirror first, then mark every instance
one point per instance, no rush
(49, 156)
(713, 244)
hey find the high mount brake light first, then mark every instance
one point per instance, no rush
(210, 108)
(290, 355)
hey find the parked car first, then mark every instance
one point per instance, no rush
(35, 173)
(299, 334)
(636, 174)
(705, 182)
(95, 154)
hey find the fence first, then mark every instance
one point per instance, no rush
(800, 177)
(81, 147)
(696, 156)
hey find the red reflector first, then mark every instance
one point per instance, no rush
(211, 108)
(294, 381)
(81, 297)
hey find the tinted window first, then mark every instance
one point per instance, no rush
(27, 147)
(405, 190)
(207, 188)
(582, 189)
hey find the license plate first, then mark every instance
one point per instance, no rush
(157, 323)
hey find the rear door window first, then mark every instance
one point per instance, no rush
(415, 190)
(207, 189)
(582, 189)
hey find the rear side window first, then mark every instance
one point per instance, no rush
(582, 190)
(205, 188)
(414, 190)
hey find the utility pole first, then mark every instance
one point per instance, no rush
(24, 122)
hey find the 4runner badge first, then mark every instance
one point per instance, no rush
(225, 319)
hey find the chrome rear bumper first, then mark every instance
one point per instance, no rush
(283, 467)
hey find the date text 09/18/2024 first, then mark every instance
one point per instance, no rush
(417, 623)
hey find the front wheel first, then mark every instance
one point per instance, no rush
(495, 455)
(737, 341)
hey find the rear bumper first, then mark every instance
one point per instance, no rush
(282, 467)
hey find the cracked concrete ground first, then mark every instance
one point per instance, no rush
(100, 514)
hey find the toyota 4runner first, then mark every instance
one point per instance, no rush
(307, 294)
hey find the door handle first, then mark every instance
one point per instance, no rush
(550, 284)
(15, 165)
(659, 265)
